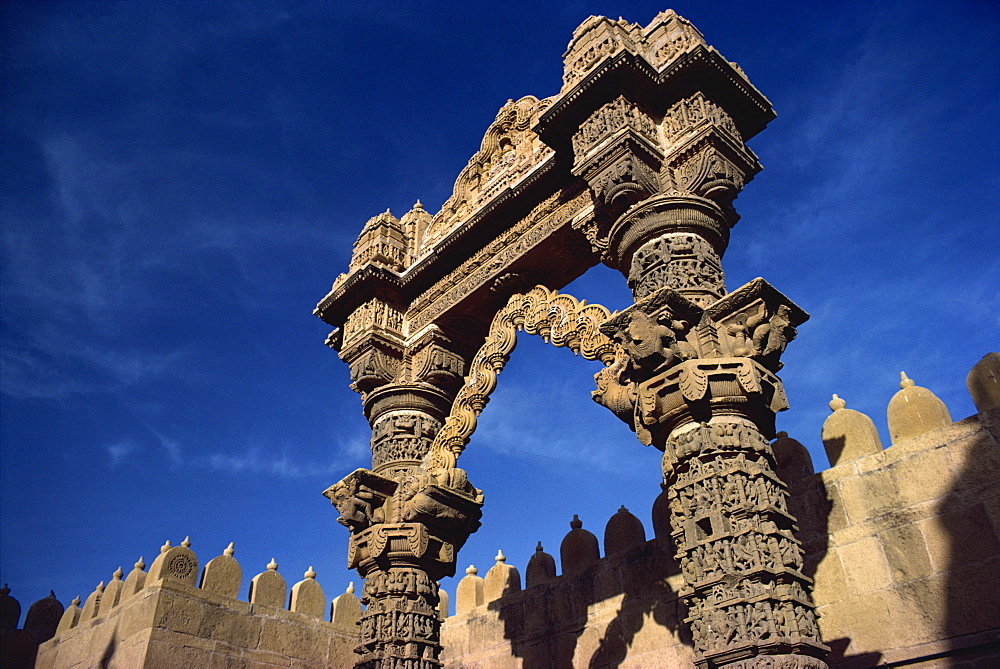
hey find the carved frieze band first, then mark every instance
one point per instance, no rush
(734, 537)
(400, 626)
(613, 117)
(402, 435)
(692, 113)
(558, 318)
(682, 261)
(547, 217)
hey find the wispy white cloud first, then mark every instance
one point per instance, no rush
(278, 461)
(120, 450)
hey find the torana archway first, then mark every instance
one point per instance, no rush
(634, 164)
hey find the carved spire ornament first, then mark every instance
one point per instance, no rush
(636, 164)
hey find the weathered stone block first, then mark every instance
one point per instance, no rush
(959, 537)
(178, 613)
(830, 583)
(229, 626)
(292, 640)
(906, 553)
(865, 566)
(921, 477)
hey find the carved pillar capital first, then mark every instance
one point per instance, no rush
(405, 535)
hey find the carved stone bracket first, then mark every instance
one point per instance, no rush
(685, 362)
(404, 538)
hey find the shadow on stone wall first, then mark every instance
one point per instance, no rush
(547, 624)
(972, 599)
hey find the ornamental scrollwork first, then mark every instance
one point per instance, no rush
(559, 319)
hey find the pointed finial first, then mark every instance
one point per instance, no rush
(310, 573)
(622, 509)
(500, 556)
(905, 381)
(166, 546)
(5, 590)
(419, 206)
(117, 575)
(229, 550)
(576, 523)
(836, 404)
(186, 543)
(472, 571)
(140, 564)
(52, 594)
(272, 565)
(538, 548)
(100, 587)
(350, 587)
(76, 601)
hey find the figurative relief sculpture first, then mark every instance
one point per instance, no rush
(635, 163)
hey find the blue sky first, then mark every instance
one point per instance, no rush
(182, 181)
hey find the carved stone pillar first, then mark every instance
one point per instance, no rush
(700, 382)
(414, 509)
(657, 122)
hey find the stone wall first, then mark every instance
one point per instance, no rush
(175, 625)
(161, 618)
(623, 605)
(903, 544)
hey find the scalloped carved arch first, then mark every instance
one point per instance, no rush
(558, 318)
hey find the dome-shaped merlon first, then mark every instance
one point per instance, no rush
(623, 531)
(10, 609)
(135, 581)
(71, 617)
(442, 603)
(112, 593)
(346, 611)
(579, 548)
(983, 383)
(223, 575)
(792, 459)
(470, 592)
(268, 588)
(93, 603)
(177, 563)
(501, 580)
(661, 516)
(848, 434)
(541, 568)
(914, 411)
(43, 617)
(308, 597)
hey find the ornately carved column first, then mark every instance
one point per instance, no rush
(701, 387)
(695, 375)
(413, 510)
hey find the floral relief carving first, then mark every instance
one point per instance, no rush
(690, 113)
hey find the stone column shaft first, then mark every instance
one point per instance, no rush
(697, 367)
